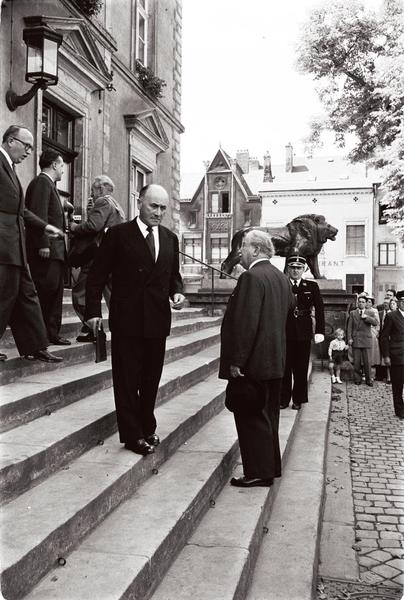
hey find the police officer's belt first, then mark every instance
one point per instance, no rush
(300, 313)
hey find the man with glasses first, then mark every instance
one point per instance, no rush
(299, 333)
(19, 304)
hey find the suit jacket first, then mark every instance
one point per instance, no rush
(392, 337)
(360, 330)
(299, 325)
(43, 200)
(253, 333)
(13, 217)
(141, 288)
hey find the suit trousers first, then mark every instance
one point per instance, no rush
(258, 435)
(361, 358)
(20, 308)
(137, 364)
(297, 364)
(397, 383)
(79, 293)
(48, 276)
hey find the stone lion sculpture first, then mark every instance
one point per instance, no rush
(305, 236)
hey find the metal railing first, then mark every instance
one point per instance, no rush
(212, 269)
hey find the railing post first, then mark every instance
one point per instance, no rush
(213, 293)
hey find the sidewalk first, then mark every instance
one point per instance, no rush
(361, 551)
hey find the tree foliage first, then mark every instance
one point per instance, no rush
(357, 58)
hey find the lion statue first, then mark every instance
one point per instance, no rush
(304, 236)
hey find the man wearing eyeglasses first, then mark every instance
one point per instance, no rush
(19, 304)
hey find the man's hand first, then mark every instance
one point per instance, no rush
(94, 324)
(72, 226)
(44, 252)
(235, 371)
(178, 301)
(318, 338)
(387, 361)
(53, 232)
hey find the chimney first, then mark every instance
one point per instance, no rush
(243, 159)
(267, 168)
(289, 158)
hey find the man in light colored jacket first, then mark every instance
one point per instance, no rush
(360, 323)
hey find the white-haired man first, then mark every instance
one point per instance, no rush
(103, 214)
(253, 348)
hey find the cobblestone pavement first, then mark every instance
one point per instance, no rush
(361, 553)
(377, 471)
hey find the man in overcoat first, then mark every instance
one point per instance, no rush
(142, 257)
(253, 345)
(47, 258)
(359, 334)
(19, 304)
(299, 333)
(392, 345)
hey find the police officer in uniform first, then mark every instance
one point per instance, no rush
(299, 333)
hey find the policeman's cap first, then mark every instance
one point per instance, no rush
(296, 261)
(400, 295)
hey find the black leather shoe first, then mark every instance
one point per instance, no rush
(140, 447)
(60, 341)
(45, 356)
(88, 337)
(153, 440)
(3, 356)
(296, 406)
(246, 483)
(369, 383)
(358, 382)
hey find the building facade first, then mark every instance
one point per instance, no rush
(101, 116)
(364, 256)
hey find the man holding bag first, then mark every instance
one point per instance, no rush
(103, 214)
(253, 354)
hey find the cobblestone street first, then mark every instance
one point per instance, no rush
(364, 433)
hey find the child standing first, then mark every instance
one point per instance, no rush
(336, 351)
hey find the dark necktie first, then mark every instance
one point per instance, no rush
(294, 287)
(150, 241)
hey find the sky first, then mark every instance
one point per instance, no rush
(240, 86)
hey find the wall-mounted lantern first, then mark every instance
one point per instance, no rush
(42, 61)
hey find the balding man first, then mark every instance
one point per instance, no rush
(19, 303)
(253, 349)
(105, 212)
(142, 257)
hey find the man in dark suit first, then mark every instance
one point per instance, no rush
(381, 370)
(359, 334)
(19, 304)
(142, 257)
(392, 345)
(47, 257)
(253, 345)
(299, 333)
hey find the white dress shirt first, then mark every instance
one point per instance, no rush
(8, 157)
(155, 230)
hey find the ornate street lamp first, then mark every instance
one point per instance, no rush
(42, 61)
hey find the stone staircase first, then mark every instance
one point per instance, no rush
(82, 518)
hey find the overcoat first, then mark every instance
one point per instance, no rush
(360, 330)
(253, 329)
(141, 288)
(392, 337)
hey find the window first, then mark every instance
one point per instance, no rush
(387, 254)
(247, 217)
(58, 133)
(355, 240)
(192, 218)
(219, 248)
(219, 202)
(193, 247)
(382, 214)
(141, 32)
(138, 180)
(355, 283)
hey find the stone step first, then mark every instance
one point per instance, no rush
(46, 390)
(35, 450)
(217, 560)
(48, 521)
(139, 540)
(16, 367)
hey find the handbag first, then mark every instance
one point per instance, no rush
(100, 344)
(244, 395)
(82, 251)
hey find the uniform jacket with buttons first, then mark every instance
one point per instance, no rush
(141, 288)
(299, 325)
(392, 337)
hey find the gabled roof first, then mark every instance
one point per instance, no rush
(221, 162)
(148, 124)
